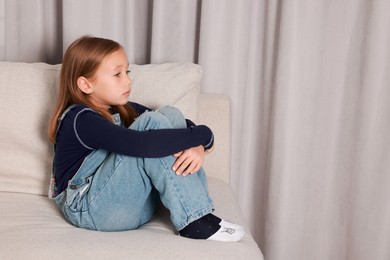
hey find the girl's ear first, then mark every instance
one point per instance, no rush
(84, 85)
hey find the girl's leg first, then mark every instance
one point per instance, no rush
(188, 209)
(184, 206)
(108, 193)
(177, 119)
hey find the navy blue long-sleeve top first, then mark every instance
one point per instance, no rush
(83, 130)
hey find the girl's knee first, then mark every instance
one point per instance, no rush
(151, 120)
(169, 110)
(174, 115)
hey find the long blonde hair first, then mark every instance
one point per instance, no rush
(82, 58)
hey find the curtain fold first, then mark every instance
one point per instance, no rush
(30, 31)
(309, 88)
(328, 176)
(174, 31)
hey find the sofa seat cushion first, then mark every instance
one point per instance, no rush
(32, 225)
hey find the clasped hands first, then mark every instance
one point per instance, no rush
(189, 161)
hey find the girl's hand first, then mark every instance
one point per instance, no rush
(189, 161)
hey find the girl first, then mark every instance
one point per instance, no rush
(113, 159)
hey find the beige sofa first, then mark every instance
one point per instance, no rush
(31, 226)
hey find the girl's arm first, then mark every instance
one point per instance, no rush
(96, 132)
(188, 161)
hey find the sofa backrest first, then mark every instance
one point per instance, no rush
(28, 92)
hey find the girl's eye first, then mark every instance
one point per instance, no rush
(119, 73)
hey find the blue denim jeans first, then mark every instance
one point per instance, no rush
(113, 192)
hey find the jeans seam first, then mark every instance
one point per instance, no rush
(169, 173)
(189, 217)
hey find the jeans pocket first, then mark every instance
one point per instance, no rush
(76, 194)
(76, 207)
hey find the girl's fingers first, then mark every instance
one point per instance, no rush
(180, 159)
(188, 161)
(195, 168)
(184, 166)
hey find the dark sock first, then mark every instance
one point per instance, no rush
(202, 228)
(212, 218)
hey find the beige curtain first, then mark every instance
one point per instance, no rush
(310, 93)
(328, 159)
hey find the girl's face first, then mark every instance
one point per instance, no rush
(111, 82)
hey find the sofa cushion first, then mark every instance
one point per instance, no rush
(31, 226)
(167, 84)
(28, 93)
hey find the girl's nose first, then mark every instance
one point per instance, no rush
(129, 80)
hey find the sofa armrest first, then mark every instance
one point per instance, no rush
(214, 111)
